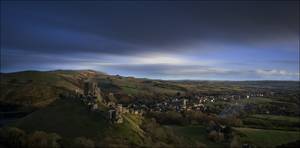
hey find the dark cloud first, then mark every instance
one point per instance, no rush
(130, 27)
(197, 40)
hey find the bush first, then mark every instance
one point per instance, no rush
(13, 137)
(235, 143)
(82, 142)
(200, 145)
(197, 117)
(54, 140)
(169, 117)
(41, 139)
(17, 138)
(216, 136)
(114, 142)
(156, 133)
(213, 136)
(232, 121)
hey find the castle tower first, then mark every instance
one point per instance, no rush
(91, 89)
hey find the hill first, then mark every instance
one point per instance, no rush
(70, 119)
(38, 89)
(60, 107)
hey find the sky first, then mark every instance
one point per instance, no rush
(203, 40)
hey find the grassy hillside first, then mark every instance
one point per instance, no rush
(68, 117)
(34, 88)
(38, 88)
(129, 130)
(41, 88)
(267, 138)
(194, 134)
(272, 122)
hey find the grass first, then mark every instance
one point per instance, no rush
(267, 138)
(255, 100)
(277, 118)
(272, 122)
(67, 117)
(24, 87)
(70, 119)
(195, 134)
(33, 88)
(129, 130)
(130, 90)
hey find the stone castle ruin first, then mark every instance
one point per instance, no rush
(92, 97)
(91, 94)
(115, 114)
(91, 89)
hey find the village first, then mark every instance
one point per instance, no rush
(92, 97)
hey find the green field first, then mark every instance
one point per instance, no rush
(267, 138)
(255, 100)
(67, 117)
(195, 134)
(272, 122)
(128, 130)
(277, 118)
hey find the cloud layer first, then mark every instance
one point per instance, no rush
(169, 40)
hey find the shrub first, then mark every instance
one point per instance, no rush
(41, 139)
(114, 142)
(169, 117)
(213, 136)
(200, 145)
(216, 136)
(13, 137)
(235, 143)
(82, 142)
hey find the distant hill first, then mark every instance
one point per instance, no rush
(38, 89)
